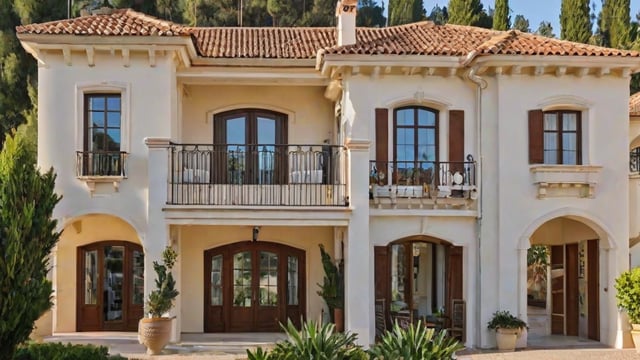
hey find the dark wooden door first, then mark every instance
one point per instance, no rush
(593, 288)
(557, 290)
(253, 286)
(572, 290)
(110, 286)
(454, 288)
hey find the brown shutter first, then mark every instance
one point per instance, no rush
(382, 276)
(382, 139)
(456, 140)
(536, 137)
(593, 286)
(454, 276)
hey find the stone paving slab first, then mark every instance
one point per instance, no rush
(558, 354)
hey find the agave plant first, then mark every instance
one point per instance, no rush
(415, 342)
(313, 341)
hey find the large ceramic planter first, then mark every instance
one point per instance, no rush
(506, 339)
(154, 333)
(635, 333)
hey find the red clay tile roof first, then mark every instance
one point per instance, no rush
(634, 104)
(423, 38)
(121, 22)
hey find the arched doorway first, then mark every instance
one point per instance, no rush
(563, 276)
(421, 278)
(110, 279)
(253, 286)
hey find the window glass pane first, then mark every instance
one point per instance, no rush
(96, 118)
(266, 130)
(268, 279)
(569, 121)
(398, 265)
(550, 157)
(404, 117)
(405, 153)
(113, 119)
(91, 277)
(112, 284)
(550, 121)
(427, 153)
(236, 131)
(137, 285)
(570, 157)
(242, 292)
(96, 102)
(292, 280)
(113, 103)
(216, 280)
(569, 141)
(550, 141)
(426, 118)
(405, 136)
(97, 142)
(113, 139)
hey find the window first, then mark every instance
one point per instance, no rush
(415, 137)
(562, 137)
(102, 154)
(634, 160)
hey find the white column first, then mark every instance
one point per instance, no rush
(157, 236)
(358, 254)
(522, 294)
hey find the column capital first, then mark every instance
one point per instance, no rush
(358, 144)
(157, 143)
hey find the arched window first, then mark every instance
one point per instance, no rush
(415, 139)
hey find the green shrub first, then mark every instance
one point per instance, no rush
(628, 293)
(415, 342)
(505, 320)
(313, 341)
(59, 351)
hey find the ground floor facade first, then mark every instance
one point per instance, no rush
(409, 268)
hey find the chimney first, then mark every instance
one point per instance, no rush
(346, 14)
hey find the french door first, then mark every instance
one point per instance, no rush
(110, 281)
(253, 286)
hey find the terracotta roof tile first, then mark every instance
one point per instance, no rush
(423, 38)
(119, 23)
(634, 104)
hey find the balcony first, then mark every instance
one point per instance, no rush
(257, 175)
(101, 167)
(423, 184)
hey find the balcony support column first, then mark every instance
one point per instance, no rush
(358, 254)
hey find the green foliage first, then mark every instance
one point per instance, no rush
(59, 351)
(210, 12)
(614, 24)
(415, 342)
(465, 12)
(405, 11)
(521, 23)
(332, 287)
(161, 300)
(545, 29)
(27, 236)
(313, 341)
(370, 14)
(628, 293)
(439, 15)
(575, 21)
(538, 254)
(505, 320)
(501, 18)
(321, 14)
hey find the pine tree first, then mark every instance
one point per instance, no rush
(27, 236)
(575, 21)
(405, 11)
(465, 12)
(501, 18)
(210, 13)
(439, 15)
(614, 23)
(370, 14)
(521, 23)
(545, 29)
(322, 13)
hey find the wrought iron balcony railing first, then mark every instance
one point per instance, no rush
(418, 179)
(101, 163)
(254, 175)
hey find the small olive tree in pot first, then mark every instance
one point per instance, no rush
(628, 296)
(154, 332)
(508, 327)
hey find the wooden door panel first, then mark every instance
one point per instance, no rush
(557, 290)
(593, 288)
(89, 299)
(572, 290)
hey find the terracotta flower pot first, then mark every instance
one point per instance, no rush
(506, 339)
(635, 333)
(154, 333)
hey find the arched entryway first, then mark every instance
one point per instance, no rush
(563, 280)
(420, 278)
(110, 278)
(253, 287)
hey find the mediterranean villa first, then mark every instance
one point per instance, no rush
(426, 158)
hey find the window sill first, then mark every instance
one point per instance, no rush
(91, 181)
(577, 181)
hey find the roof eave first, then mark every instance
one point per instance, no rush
(551, 60)
(328, 61)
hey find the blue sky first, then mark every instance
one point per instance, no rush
(534, 10)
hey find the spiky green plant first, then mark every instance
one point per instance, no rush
(161, 300)
(415, 342)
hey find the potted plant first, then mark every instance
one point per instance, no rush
(508, 328)
(332, 289)
(154, 332)
(628, 296)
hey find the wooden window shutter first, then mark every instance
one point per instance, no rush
(382, 276)
(536, 137)
(454, 288)
(456, 139)
(382, 139)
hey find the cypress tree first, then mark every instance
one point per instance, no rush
(370, 14)
(521, 23)
(405, 11)
(464, 12)
(614, 23)
(27, 236)
(575, 21)
(501, 18)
